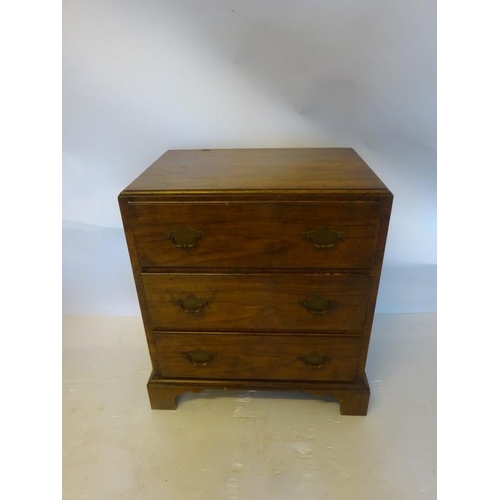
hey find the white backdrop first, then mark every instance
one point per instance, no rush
(144, 76)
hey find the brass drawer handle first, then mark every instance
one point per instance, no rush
(184, 237)
(191, 304)
(318, 304)
(323, 237)
(198, 357)
(314, 360)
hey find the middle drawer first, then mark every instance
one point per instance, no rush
(256, 302)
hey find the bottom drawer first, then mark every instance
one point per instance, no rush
(264, 357)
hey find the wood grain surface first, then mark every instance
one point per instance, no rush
(265, 235)
(258, 357)
(211, 170)
(256, 302)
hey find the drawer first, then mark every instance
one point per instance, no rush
(257, 357)
(333, 235)
(256, 302)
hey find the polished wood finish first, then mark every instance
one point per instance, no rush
(265, 235)
(256, 302)
(258, 357)
(258, 269)
(260, 170)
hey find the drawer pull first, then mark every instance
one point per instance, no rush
(323, 237)
(198, 357)
(317, 304)
(314, 360)
(191, 304)
(184, 237)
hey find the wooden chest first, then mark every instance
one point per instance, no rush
(257, 269)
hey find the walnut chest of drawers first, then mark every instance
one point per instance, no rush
(257, 269)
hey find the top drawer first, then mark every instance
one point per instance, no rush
(330, 235)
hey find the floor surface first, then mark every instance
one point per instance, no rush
(246, 445)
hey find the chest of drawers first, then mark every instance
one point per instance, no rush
(257, 269)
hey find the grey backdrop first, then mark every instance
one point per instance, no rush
(141, 77)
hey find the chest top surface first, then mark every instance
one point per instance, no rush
(258, 170)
